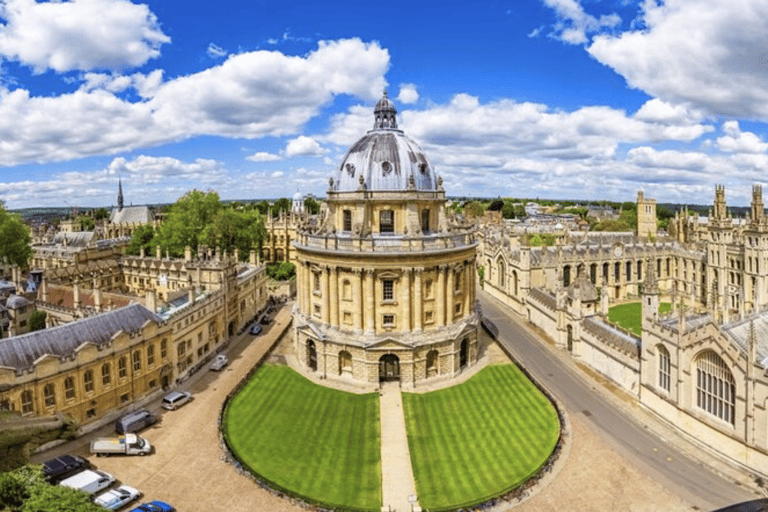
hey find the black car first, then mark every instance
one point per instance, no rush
(56, 470)
(265, 320)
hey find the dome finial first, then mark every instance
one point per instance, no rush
(385, 114)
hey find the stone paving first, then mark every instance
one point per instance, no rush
(397, 474)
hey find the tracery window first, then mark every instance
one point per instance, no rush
(715, 387)
(664, 374)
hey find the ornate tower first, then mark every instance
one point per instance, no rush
(646, 217)
(385, 280)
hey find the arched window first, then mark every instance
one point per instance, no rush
(150, 356)
(88, 381)
(122, 367)
(49, 395)
(137, 361)
(69, 388)
(502, 273)
(346, 290)
(106, 374)
(26, 402)
(715, 387)
(664, 375)
(464, 353)
(514, 282)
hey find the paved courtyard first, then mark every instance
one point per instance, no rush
(188, 468)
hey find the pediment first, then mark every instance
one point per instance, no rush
(389, 344)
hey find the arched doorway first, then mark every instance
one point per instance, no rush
(311, 355)
(389, 368)
(464, 353)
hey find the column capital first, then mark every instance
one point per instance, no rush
(418, 270)
(369, 270)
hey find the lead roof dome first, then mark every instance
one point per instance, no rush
(385, 158)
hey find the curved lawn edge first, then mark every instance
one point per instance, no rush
(230, 456)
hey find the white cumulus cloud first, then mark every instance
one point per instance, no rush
(710, 55)
(304, 146)
(79, 34)
(408, 94)
(263, 156)
(736, 141)
(574, 24)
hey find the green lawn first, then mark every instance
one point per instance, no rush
(320, 443)
(478, 439)
(629, 315)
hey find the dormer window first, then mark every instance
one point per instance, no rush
(386, 221)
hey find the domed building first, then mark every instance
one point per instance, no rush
(385, 279)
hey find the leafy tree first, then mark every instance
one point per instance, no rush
(142, 237)
(101, 213)
(14, 491)
(481, 274)
(581, 211)
(282, 204)
(508, 211)
(37, 320)
(496, 205)
(14, 239)
(86, 223)
(185, 221)
(281, 271)
(230, 230)
(263, 207)
(629, 205)
(474, 209)
(312, 206)
(520, 211)
(57, 498)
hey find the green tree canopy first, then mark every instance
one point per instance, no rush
(100, 213)
(25, 490)
(282, 204)
(15, 239)
(496, 205)
(86, 223)
(37, 320)
(142, 237)
(200, 218)
(281, 271)
(474, 209)
(311, 206)
(508, 211)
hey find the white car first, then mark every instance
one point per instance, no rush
(219, 362)
(117, 498)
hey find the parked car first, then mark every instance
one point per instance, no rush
(176, 399)
(129, 444)
(134, 421)
(219, 362)
(90, 481)
(56, 470)
(154, 506)
(256, 330)
(265, 320)
(117, 498)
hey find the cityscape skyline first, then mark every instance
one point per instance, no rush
(549, 99)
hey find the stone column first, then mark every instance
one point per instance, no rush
(418, 306)
(370, 303)
(440, 298)
(405, 296)
(307, 289)
(325, 294)
(465, 289)
(357, 299)
(334, 294)
(449, 295)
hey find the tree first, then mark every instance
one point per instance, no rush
(100, 213)
(186, 220)
(37, 320)
(57, 498)
(142, 238)
(86, 223)
(520, 212)
(508, 211)
(312, 206)
(14, 491)
(474, 209)
(281, 271)
(282, 204)
(496, 205)
(15, 239)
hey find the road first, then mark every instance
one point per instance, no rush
(640, 447)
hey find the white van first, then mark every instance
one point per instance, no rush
(90, 481)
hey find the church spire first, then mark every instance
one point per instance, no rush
(119, 194)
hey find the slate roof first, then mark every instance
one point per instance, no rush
(20, 352)
(739, 333)
(130, 215)
(73, 238)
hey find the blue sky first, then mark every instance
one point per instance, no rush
(527, 98)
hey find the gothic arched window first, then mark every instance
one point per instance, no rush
(715, 387)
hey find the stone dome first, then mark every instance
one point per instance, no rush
(385, 159)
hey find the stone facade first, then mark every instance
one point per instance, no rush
(385, 279)
(702, 368)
